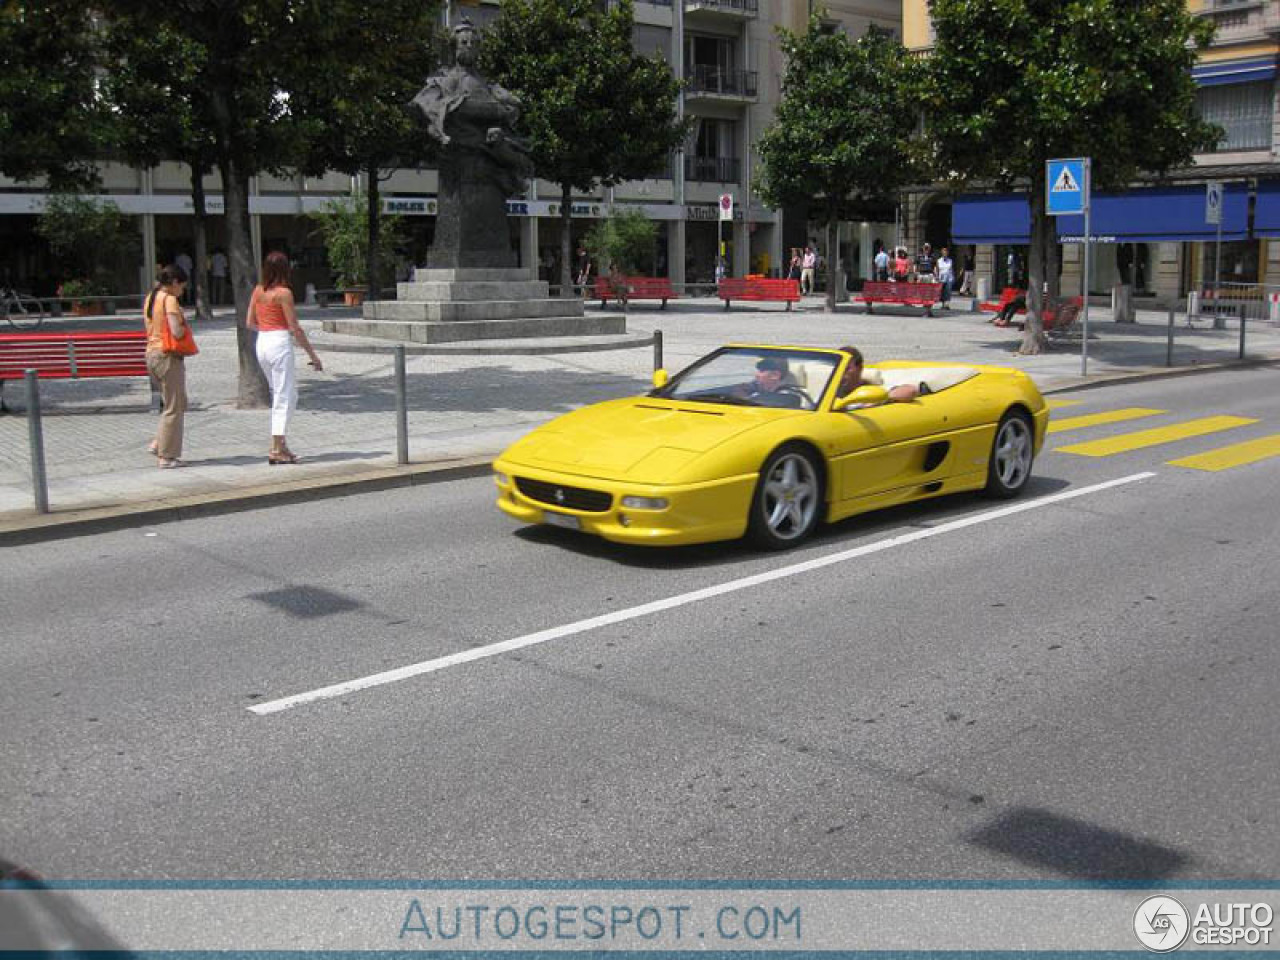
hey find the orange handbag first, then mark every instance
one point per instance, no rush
(183, 346)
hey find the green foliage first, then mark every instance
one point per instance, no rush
(624, 240)
(343, 225)
(843, 126)
(90, 238)
(1016, 82)
(50, 117)
(597, 112)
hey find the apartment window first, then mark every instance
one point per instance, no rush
(713, 158)
(1243, 110)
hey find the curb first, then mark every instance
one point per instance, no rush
(43, 528)
(77, 523)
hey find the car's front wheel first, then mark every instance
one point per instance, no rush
(787, 500)
(1012, 451)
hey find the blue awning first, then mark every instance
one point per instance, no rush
(1159, 215)
(991, 218)
(1234, 71)
(1266, 212)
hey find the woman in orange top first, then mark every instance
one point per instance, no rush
(272, 314)
(168, 369)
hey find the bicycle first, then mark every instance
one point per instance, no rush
(22, 312)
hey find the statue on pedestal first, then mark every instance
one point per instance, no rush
(482, 160)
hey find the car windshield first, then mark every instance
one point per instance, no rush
(743, 376)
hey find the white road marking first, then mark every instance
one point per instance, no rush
(680, 600)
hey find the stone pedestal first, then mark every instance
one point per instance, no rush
(450, 305)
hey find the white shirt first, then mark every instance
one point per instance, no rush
(946, 269)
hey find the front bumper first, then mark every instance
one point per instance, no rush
(695, 513)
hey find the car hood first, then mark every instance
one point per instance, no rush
(641, 439)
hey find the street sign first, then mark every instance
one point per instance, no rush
(1213, 202)
(1067, 186)
(726, 206)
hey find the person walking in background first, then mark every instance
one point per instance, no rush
(272, 314)
(169, 343)
(926, 266)
(219, 270)
(796, 265)
(881, 263)
(946, 275)
(901, 265)
(808, 265)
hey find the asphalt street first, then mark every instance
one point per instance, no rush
(1083, 688)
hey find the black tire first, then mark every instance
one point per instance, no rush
(1012, 453)
(787, 502)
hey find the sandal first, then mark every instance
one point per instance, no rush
(278, 458)
(170, 463)
(153, 449)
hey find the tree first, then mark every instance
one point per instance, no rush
(843, 128)
(344, 225)
(50, 114)
(159, 112)
(354, 111)
(618, 244)
(1015, 83)
(90, 238)
(597, 112)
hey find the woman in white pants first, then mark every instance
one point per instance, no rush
(272, 314)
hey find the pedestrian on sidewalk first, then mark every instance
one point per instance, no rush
(169, 343)
(272, 314)
(946, 275)
(810, 263)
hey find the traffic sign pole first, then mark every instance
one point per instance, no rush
(1088, 249)
(1218, 322)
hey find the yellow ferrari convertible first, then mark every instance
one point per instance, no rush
(767, 441)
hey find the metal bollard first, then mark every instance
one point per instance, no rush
(1168, 352)
(35, 431)
(1242, 323)
(657, 349)
(402, 409)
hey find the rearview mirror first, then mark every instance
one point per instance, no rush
(660, 378)
(867, 395)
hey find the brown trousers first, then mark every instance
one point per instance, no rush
(170, 372)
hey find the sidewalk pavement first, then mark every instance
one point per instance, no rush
(463, 409)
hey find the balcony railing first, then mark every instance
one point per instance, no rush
(747, 8)
(714, 80)
(711, 169)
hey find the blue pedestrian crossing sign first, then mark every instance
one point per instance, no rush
(1067, 183)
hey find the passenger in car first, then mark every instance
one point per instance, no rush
(854, 378)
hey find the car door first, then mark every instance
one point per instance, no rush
(894, 445)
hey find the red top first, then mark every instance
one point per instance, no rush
(270, 313)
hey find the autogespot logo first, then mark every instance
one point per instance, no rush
(1161, 923)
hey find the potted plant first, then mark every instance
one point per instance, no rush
(80, 292)
(620, 245)
(343, 225)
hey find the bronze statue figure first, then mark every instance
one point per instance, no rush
(482, 159)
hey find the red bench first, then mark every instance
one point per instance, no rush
(778, 289)
(73, 356)
(909, 294)
(638, 288)
(1007, 296)
(1056, 318)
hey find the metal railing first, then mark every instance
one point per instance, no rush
(749, 8)
(712, 169)
(704, 78)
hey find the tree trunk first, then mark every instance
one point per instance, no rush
(833, 263)
(253, 391)
(566, 241)
(199, 238)
(1033, 340)
(372, 271)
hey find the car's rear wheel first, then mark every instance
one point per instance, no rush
(787, 500)
(1012, 451)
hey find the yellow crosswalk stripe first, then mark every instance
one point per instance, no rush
(1109, 416)
(1150, 438)
(1059, 404)
(1236, 455)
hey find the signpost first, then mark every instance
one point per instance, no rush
(1067, 186)
(726, 213)
(1213, 214)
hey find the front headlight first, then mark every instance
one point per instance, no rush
(501, 479)
(645, 503)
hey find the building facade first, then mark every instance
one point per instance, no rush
(726, 50)
(1154, 235)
